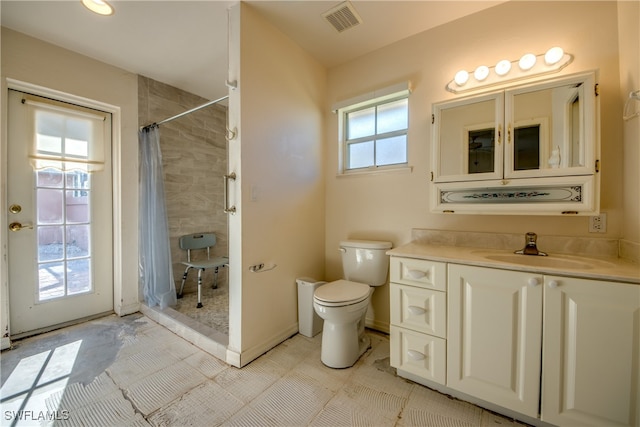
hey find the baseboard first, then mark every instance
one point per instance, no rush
(377, 325)
(233, 358)
(260, 349)
(5, 343)
(124, 310)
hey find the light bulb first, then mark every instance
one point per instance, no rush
(100, 7)
(461, 77)
(481, 73)
(553, 55)
(503, 67)
(527, 61)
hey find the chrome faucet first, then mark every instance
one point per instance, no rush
(530, 247)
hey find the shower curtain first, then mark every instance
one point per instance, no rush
(155, 268)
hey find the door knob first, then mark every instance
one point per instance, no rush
(16, 226)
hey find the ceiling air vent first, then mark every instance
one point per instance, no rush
(342, 17)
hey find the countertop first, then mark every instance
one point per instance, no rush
(612, 269)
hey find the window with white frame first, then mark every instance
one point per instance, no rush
(374, 132)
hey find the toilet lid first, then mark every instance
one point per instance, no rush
(342, 291)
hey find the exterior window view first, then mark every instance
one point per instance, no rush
(63, 230)
(320, 213)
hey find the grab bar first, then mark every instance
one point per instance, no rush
(227, 208)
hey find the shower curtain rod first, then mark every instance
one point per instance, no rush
(177, 116)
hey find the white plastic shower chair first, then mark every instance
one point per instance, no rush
(196, 241)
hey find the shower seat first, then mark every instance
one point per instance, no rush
(197, 241)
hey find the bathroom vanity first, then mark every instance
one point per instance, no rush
(543, 339)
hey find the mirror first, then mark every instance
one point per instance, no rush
(467, 133)
(548, 128)
(548, 131)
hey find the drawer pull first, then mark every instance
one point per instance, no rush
(416, 274)
(415, 310)
(415, 355)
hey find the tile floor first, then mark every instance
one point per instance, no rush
(215, 310)
(131, 371)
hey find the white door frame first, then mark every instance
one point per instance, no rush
(116, 150)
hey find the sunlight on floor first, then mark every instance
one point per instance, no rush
(25, 394)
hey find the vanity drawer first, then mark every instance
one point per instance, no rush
(419, 354)
(419, 272)
(422, 310)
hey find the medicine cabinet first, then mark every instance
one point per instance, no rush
(529, 149)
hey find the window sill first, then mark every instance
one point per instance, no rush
(375, 171)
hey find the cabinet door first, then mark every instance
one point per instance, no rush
(494, 336)
(467, 137)
(550, 128)
(591, 353)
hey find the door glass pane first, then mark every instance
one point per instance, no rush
(361, 123)
(77, 206)
(77, 241)
(360, 155)
(51, 280)
(391, 151)
(78, 275)
(50, 243)
(77, 179)
(49, 206)
(393, 116)
(50, 178)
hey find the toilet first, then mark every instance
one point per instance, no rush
(343, 304)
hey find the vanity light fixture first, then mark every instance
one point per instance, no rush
(529, 65)
(503, 67)
(527, 61)
(553, 55)
(481, 73)
(101, 7)
(461, 77)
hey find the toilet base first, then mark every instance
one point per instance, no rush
(346, 355)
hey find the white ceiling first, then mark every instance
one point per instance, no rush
(184, 43)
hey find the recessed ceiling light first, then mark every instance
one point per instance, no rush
(100, 7)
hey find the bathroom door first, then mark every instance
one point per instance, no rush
(59, 213)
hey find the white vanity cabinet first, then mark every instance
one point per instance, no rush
(591, 353)
(495, 330)
(562, 350)
(418, 317)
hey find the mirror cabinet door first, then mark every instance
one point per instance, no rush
(467, 136)
(548, 132)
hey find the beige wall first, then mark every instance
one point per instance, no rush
(279, 193)
(387, 206)
(194, 159)
(629, 39)
(41, 64)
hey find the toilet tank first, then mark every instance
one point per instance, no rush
(365, 261)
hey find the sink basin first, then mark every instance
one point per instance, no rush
(547, 261)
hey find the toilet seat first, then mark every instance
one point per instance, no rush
(341, 293)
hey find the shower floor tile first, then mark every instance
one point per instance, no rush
(214, 312)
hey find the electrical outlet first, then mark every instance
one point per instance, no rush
(598, 223)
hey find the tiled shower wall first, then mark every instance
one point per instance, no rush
(194, 159)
